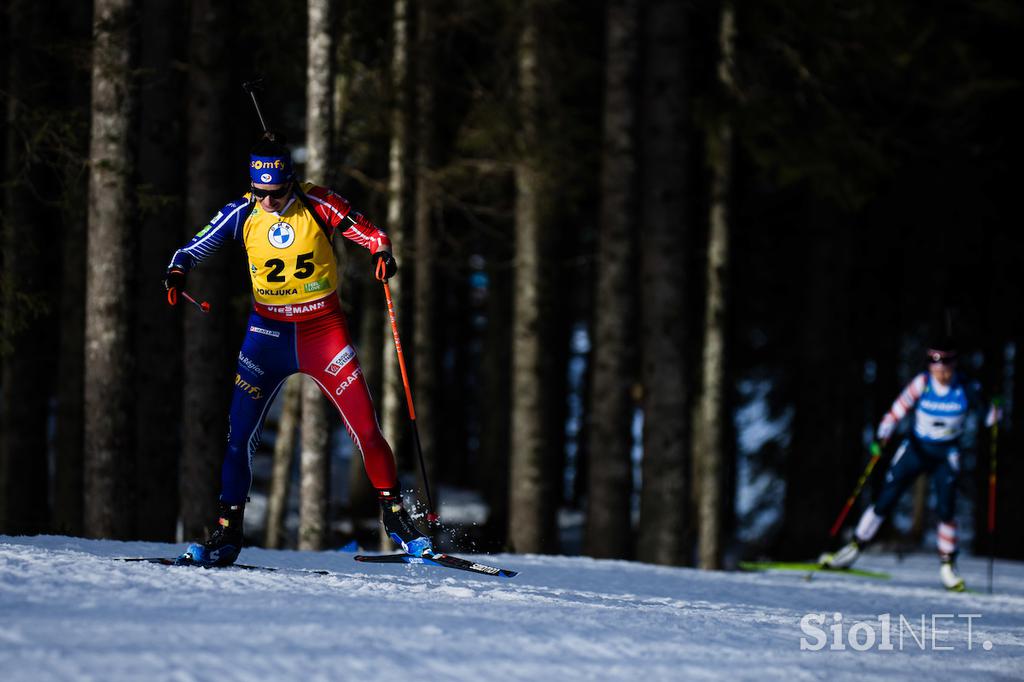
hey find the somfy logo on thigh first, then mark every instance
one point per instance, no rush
(254, 392)
(893, 632)
(339, 361)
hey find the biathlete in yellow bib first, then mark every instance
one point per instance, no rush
(296, 325)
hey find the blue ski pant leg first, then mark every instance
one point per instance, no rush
(906, 466)
(266, 359)
(945, 478)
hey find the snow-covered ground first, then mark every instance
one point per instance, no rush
(69, 612)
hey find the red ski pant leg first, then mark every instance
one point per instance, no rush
(326, 355)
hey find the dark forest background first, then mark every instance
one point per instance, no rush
(663, 265)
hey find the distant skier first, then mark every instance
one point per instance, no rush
(296, 325)
(941, 401)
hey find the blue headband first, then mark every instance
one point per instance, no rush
(270, 170)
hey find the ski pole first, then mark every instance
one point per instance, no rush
(992, 502)
(251, 87)
(204, 306)
(876, 452)
(172, 298)
(432, 516)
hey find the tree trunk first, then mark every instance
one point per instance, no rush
(362, 498)
(207, 348)
(108, 353)
(158, 325)
(341, 91)
(424, 333)
(825, 440)
(664, 499)
(393, 410)
(315, 469)
(610, 468)
(319, 82)
(284, 450)
(340, 95)
(495, 418)
(70, 427)
(25, 356)
(315, 456)
(68, 500)
(709, 434)
(356, 288)
(532, 526)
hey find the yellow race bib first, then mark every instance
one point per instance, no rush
(290, 258)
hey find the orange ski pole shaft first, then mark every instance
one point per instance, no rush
(432, 516)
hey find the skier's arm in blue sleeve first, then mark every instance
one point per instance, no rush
(224, 226)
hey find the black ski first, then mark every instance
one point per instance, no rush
(164, 561)
(446, 560)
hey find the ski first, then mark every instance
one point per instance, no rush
(809, 568)
(165, 561)
(445, 560)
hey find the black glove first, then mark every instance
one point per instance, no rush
(384, 265)
(174, 282)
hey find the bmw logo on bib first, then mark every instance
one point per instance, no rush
(281, 235)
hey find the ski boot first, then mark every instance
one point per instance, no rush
(844, 558)
(400, 527)
(224, 545)
(950, 577)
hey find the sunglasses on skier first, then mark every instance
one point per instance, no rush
(272, 193)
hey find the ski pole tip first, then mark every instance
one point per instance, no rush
(204, 306)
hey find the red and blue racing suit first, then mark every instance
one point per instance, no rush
(297, 324)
